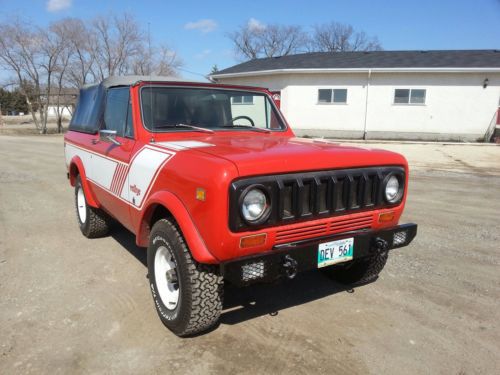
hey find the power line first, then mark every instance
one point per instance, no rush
(191, 72)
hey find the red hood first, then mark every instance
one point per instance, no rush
(259, 155)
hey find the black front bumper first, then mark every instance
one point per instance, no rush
(288, 259)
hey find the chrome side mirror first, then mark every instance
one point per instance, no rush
(108, 136)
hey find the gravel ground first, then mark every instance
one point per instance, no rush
(72, 305)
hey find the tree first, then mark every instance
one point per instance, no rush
(44, 62)
(214, 69)
(20, 54)
(80, 37)
(62, 33)
(338, 37)
(255, 40)
(12, 101)
(161, 61)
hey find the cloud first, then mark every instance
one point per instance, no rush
(205, 25)
(256, 25)
(57, 5)
(203, 54)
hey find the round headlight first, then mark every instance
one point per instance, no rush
(254, 205)
(392, 189)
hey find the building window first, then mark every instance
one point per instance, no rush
(242, 99)
(409, 96)
(338, 96)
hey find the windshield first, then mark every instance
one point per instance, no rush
(179, 109)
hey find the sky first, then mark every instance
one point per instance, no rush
(197, 30)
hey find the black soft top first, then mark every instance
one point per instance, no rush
(131, 80)
(90, 106)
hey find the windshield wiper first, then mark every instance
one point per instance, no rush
(249, 127)
(180, 125)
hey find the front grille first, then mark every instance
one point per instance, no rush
(333, 226)
(313, 195)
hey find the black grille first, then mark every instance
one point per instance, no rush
(307, 196)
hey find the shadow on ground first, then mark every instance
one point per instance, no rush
(241, 304)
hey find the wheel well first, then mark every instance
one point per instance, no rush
(159, 212)
(73, 173)
(152, 215)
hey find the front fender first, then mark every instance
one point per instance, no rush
(76, 168)
(175, 206)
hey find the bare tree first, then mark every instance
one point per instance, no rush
(46, 61)
(51, 47)
(338, 37)
(62, 32)
(161, 61)
(20, 54)
(80, 38)
(116, 42)
(251, 42)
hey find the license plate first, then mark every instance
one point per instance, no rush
(335, 252)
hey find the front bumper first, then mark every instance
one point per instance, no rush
(288, 259)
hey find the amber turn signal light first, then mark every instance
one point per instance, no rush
(386, 217)
(200, 194)
(253, 240)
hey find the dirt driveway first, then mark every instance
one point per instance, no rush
(72, 305)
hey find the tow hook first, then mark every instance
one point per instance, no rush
(290, 266)
(379, 246)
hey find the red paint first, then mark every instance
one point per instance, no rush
(235, 154)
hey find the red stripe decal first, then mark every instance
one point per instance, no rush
(122, 180)
(113, 180)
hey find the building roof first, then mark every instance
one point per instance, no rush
(376, 60)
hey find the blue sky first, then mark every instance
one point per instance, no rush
(197, 29)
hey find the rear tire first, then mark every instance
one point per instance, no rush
(93, 222)
(360, 271)
(187, 295)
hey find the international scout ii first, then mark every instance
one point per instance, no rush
(211, 179)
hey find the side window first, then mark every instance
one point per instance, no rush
(116, 112)
(409, 96)
(338, 96)
(129, 127)
(88, 110)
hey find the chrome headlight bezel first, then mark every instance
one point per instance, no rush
(266, 210)
(400, 190)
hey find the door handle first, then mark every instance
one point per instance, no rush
(95, 141)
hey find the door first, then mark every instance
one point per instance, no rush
(116, 152)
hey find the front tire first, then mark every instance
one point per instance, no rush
(187, 295)
(93, 222)
(360, 271)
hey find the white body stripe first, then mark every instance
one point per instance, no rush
(184, 145)
(142, 171)
(97, 168)
(130, 183)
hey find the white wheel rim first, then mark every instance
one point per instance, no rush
(81, 205)
(168, 289)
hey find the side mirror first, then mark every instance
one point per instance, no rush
(108, 136)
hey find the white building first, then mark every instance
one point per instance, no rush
(432, 95)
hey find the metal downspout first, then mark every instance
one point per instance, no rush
(366, 101)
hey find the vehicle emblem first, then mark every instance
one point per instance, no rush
(134, 189)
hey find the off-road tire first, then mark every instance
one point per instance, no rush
(96, 223)
(200, 286)
(360, 271)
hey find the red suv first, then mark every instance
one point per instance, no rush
(211, 179)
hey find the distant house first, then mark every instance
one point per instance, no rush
(64, 103)
(430, 95)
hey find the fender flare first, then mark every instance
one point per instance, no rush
(181, 215)
(75, 168)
